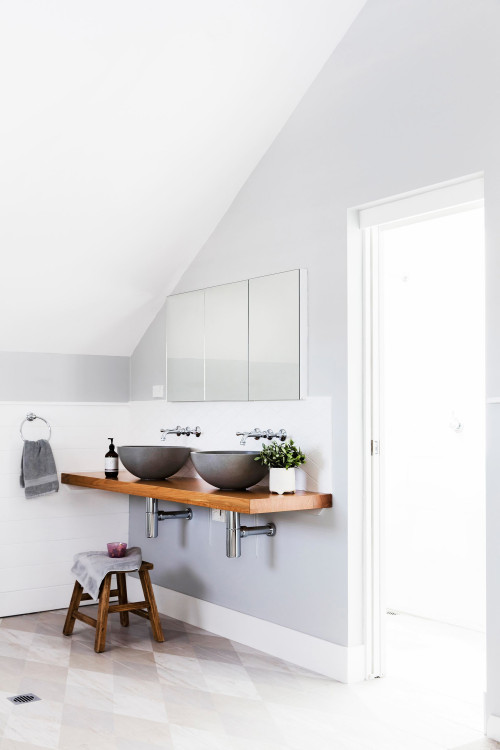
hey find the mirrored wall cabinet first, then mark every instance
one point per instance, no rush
(239, 342)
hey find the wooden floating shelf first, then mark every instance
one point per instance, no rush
(197, 492)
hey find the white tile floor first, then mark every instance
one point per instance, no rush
(198, 691)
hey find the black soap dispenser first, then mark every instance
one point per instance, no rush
(111, 462)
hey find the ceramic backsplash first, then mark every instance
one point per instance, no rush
(307, 422)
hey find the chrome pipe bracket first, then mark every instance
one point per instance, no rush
(166, 516)
(153, 515)
(235, 533)
(269, 530)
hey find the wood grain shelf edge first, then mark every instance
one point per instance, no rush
(197, 492)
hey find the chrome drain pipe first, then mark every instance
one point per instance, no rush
(235, 532)
(153, 515)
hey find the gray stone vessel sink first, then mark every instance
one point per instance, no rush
(153, 461)
(229, 470)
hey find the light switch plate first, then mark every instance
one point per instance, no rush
(218, 515)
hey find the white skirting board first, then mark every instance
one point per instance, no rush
(338, 662)
(493, 727)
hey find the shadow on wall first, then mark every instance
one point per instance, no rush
(183, 579)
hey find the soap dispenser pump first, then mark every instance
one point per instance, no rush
(111, 462)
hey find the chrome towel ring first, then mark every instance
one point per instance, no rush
(30, 418)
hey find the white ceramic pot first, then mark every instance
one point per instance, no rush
(281, 480)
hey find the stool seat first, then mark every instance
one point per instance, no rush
(147, 608)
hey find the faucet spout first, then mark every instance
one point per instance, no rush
(258, 433)
(255, 433)
(180, 431)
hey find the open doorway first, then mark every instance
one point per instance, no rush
(425, 276)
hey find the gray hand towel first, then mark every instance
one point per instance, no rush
(38, 469)
(90, 568)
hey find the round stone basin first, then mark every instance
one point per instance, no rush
(229, 470)
(153, 461)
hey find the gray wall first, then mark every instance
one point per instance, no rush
(63, 377)
(409, 99)
(268, 580)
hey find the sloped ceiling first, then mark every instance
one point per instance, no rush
(127, 129)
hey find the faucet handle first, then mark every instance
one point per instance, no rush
(281, 435)
(197, 431)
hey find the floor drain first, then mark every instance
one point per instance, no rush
(26, 698)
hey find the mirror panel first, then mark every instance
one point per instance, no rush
(239, 342)
(185, 347)
(274, 337)
(226, 342)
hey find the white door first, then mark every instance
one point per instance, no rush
(426, 369)
(432, 417)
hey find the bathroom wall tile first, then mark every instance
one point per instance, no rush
(307, 422)
(38, 538)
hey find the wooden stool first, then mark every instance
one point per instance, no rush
(146, 608)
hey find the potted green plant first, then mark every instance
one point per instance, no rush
(282, 460)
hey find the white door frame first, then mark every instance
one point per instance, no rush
(373, 528)
(445, 198)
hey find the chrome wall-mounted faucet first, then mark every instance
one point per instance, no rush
(180, 431)
(257, 433)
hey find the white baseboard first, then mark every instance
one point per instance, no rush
(493, 727)
(342, 663)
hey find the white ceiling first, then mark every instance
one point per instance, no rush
(127, 129)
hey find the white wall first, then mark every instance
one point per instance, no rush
(407, 100)
(39, 537)
(304, 421)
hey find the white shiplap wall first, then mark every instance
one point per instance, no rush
(39, 537)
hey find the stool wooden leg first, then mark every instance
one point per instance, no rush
(73, 607)
(102, 615)
(121, 583)
(149, 596)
